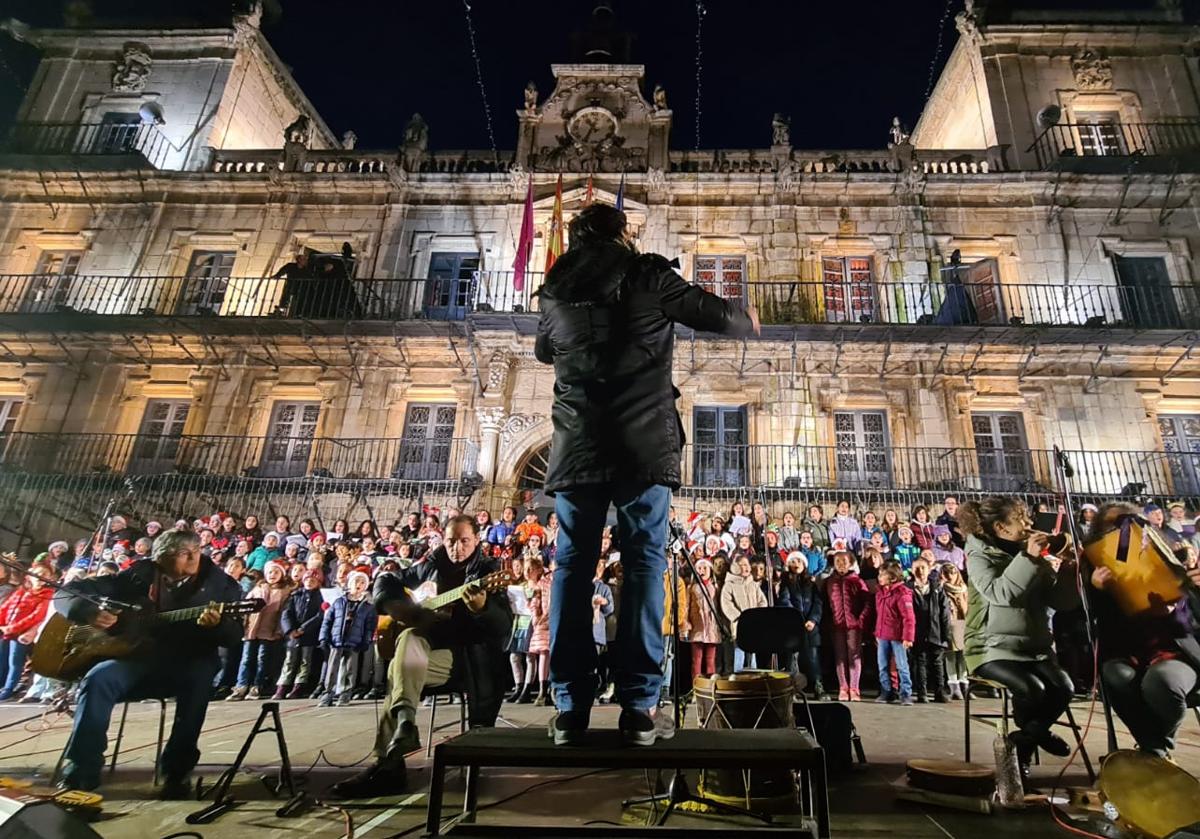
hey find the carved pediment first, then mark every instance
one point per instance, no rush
(1092, 69)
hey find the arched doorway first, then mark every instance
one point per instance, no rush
(531, 480)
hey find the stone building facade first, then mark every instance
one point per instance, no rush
(1014, 275)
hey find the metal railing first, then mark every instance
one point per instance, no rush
(1116, 139)
(780, 303)
(783, 467)
(90, 138)
(396, 459)
(1024, 471)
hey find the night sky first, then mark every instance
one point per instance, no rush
(841, 70)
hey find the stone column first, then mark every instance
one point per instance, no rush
(490, 420)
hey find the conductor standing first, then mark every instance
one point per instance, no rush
(608, 327)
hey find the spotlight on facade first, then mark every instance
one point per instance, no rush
(149, 311)
(1049, 116)
(151, 112)
(1016, 320)
(1095, 321)
(320, 472)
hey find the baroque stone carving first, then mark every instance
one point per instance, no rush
(968, 23)
(298, 131)
(656, 179)
(490, 419)
(788, 178)
(416, 133)
(531, 97)
(660, 98)
(518, 179)
(519, 424)
(897, 133)
(133, 70)
(1092, 69)
(349, 140)
(781, 134)
(499, 367)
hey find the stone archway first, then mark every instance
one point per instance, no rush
(532, 473)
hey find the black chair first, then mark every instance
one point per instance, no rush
(450, 691)
(776, 631)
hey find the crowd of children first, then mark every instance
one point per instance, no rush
(883, 583)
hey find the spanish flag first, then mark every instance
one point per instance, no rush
(554, 242)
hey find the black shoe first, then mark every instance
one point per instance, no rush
(940, 698)
(176, 789)
(1024, 744)
(526, 694)
(1055, 745)
(385, 777)
(638, 728)
(568, 728)
(922, 699)
(68, 785)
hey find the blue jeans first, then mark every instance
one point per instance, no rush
(886, 651)
(742, 660)
(637, 654)
(261, 661)
(12, 662)
(110, 682)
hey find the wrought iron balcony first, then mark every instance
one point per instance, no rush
(94, 138)
(481, 293)
(79, 456)
(1093, 146)
(858, 471)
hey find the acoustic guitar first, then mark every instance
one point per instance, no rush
(67, 650)
(388, 629)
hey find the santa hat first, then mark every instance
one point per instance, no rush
(703, 563)
(354, 575)
(693, 519)
(799, 557)
(283, 569)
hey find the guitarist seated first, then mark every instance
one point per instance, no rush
(181, 663)
(464, 644)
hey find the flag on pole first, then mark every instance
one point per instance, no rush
(554, 242)
(621, 193)
(590, 195)
(525, 242)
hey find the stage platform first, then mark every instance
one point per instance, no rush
(862, 803)
(688, 749)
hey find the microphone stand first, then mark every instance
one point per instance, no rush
(677, 791)
(1063, 473)
(99, 601)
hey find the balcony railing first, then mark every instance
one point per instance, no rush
(778, 467)
(398, 459)
(95, 138)
(1067, 142)
(937, 470)
(786, 303)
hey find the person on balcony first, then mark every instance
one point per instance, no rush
(608, 327)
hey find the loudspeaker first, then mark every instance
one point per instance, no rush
(24, 816)
(835, 733)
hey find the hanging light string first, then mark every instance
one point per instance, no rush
(487, 111)
(700, 13)
(937, 53)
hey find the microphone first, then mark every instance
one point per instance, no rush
(1061, 457)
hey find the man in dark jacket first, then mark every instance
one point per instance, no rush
(608, 327)
(181, 663)
(466, 646)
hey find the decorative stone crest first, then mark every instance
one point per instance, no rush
(499, 367)
(1092, 69)
(518, 424)
(133, 70)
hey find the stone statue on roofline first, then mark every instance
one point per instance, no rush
(349, 140)
(660, 98)
(297, 131)
(416, 133)
(897, 133)
(781, 134)
(531, 98)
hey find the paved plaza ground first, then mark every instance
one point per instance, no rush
(862, 802)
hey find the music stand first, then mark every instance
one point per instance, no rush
(776, 631)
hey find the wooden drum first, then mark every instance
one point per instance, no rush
(749, 699)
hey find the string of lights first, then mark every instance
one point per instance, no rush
(487, 110)
(937, 53)
(700, 13)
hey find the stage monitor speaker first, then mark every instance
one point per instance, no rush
(24, 816)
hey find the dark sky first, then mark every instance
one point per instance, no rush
(840, 69)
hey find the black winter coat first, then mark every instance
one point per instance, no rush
(303, 611)
(803, 596)
(932, 611)
(607, 326)
(479, 642)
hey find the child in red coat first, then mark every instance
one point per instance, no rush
(850, 612)
(895, 630)
(21, 613)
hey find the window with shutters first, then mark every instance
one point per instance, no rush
(1099, 133)
(724, 276)
(1147, 299)
(861, 453)
(207, 280)
(451, 285)
(719, 447)
(1002, 452)
(156, 447)
(1181, 443)
(849, 289)
(428, 440)
(289, 440)
(51, 285)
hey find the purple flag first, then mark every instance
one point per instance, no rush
(524, 242)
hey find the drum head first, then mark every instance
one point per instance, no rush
(1153, 796)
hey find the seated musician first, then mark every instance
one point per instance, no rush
(464, 644)
(1151, 660)
(1013, 581)
(181, 662)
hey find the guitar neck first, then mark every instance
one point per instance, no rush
(176, 615)
(446, 598)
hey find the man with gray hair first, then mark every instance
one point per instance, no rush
(181, 663)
